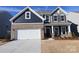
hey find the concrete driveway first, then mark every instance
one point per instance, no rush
(22, 46)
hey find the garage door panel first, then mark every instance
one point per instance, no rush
(29, 34)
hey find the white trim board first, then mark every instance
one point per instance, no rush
(29, 15)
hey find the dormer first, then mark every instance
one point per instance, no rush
(58, 15)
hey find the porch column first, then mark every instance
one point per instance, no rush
(52, 32)
(62, 35)
(69, 31)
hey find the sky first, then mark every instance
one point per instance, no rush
(15, 9)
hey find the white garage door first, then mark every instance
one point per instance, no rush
(29, 34)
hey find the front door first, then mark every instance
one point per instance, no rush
(48, 32)
(56, 31)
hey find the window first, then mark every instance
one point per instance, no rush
(63, 30)
(44, 16)
(55, 17)
(56, 31)
(27, 15)
(62, 17)
(47, 17)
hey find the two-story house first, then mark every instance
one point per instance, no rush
(29, 24)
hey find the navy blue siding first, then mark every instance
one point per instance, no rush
(34, 18)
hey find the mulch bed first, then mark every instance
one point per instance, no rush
(66, 38)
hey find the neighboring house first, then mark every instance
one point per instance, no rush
(5, 25)
(29, 24)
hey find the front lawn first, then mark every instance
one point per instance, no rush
(55, 46)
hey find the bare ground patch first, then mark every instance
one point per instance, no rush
(60, 46)
(3, 41)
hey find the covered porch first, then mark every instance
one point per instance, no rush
(57, 31)
(63, 31)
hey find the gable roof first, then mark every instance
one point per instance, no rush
(60, 9)
(24, 11)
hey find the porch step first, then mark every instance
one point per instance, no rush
(51, 39)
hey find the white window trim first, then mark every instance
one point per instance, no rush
(29, 15)
(53, 18)
(54, 30)
(60, 18)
